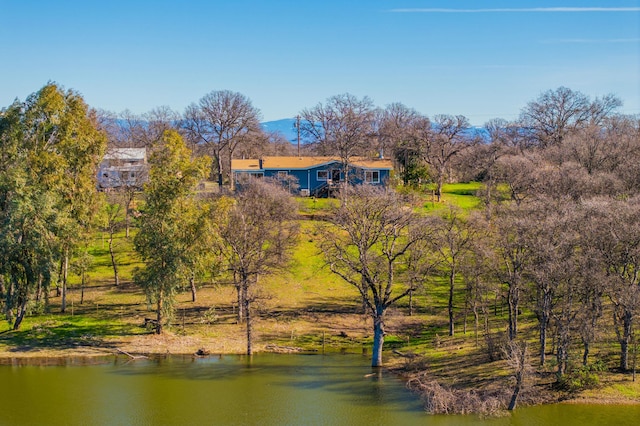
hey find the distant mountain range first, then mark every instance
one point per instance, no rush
(286, 127)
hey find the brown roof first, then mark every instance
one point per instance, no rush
(305, 163)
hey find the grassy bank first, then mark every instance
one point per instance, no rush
(306, 308)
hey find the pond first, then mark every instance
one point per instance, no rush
(270, 389)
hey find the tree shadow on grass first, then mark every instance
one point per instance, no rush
(62, 335)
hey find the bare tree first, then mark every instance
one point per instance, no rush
(617, 227)
(453, 238)
(221, 120)
(400, 132)
(261, 144)
(475, 268)
(517, 355)
(375, 236)
(446, 140)
(519, 174)
(512, 226)
(626, 130)
(257, 234)
(342, 127)
(557, 113)
(551, 239)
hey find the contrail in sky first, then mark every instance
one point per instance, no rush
(521, 10)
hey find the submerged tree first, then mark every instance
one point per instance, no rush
(368, 245)
(171, 222)
(256, 234)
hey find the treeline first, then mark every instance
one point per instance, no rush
(558, 233)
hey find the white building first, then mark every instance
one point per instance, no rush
(123, 167)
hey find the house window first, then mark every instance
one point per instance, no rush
(372, 176)
(133, 175)
(282, 174)
(243, 176)
(322, 175)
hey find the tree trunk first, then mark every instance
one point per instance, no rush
(159, 317)
(378, 338)
(127, 212)
(58, 290)
(564, 342)
(514, 398)
(560, 357)
(82, 293)
(627, 320)
(192, 284)
(452, 277)
(585, 353)
(521, 356)
(476, 323)
(65, 274)
(544, 316)
(439, 188)
(513, 297)
(22, 310)
(39, 290)
(230, 172)
(543, 342)
(464, 317)
(114, 265)
(220, 178)
(411, 303)
(240, 301)
(247, 316)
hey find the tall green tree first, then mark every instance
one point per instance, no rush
(50, 150)
(172, 221)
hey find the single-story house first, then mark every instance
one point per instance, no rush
(314, 175)
(122, 167)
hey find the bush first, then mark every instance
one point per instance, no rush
(440, 399)
(494, 345)
(582, 378)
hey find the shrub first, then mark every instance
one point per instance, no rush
(581, 378)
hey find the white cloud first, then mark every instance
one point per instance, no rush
(520, 10)
(592, 41)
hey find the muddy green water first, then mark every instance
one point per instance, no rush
(270, 390)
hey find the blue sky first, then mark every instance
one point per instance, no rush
(481, 59)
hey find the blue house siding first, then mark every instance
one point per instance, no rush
(317, 176)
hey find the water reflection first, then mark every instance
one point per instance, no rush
(267, 389)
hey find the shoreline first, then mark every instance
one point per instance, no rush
(91, 355)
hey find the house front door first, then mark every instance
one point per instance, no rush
(335, 175)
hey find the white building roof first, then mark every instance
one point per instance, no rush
(127, 154)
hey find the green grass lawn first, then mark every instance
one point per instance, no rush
(304, 306)
(462, 195)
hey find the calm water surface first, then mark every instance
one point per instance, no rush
(230, 390)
